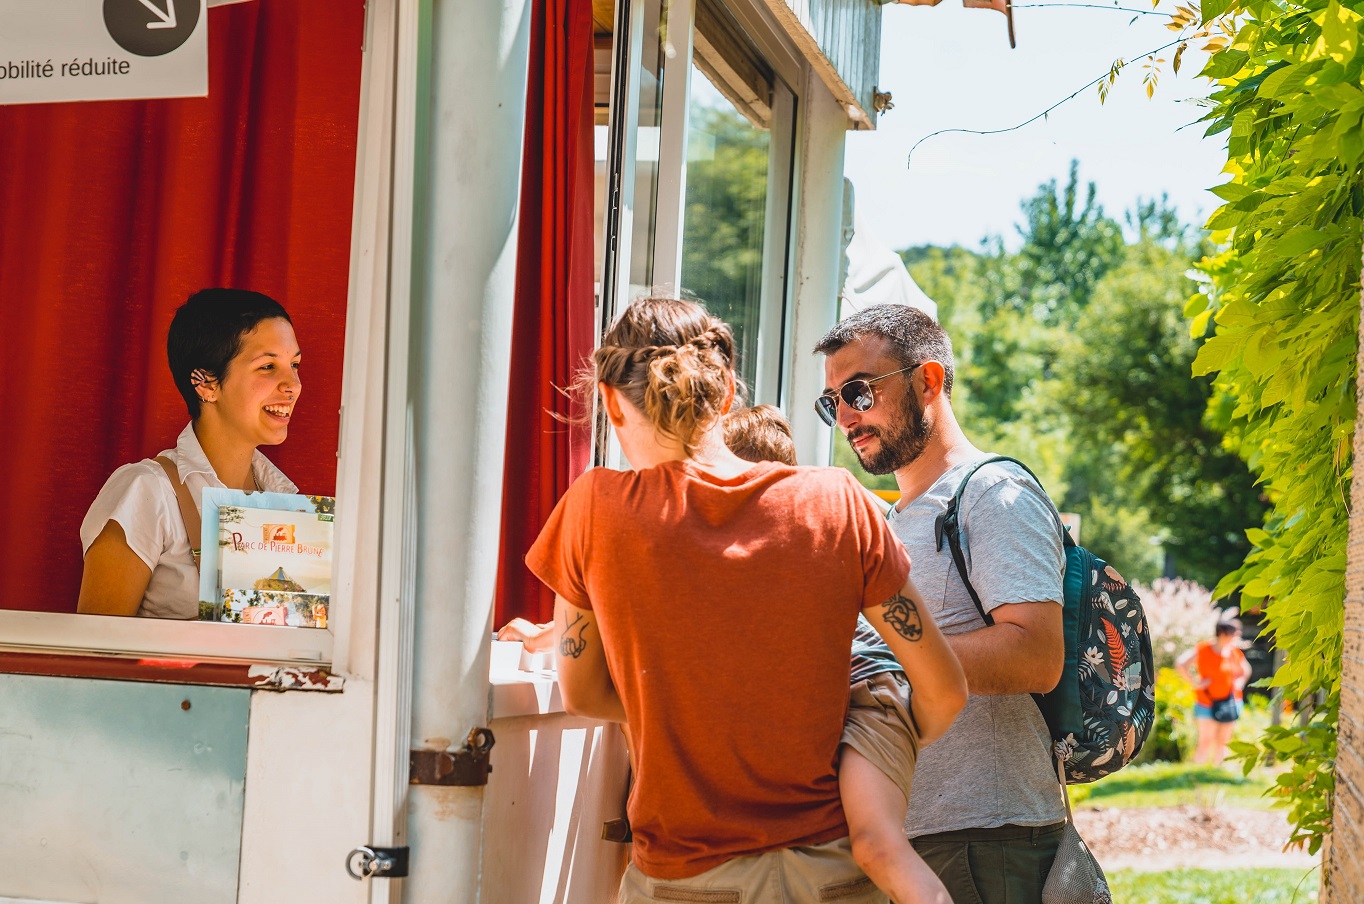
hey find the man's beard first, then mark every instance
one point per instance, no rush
(906, 443)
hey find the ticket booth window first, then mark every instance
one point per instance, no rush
(111, 214)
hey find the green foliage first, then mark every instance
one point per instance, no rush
(1206, 886)
(1127, 386)
(1283, 299)
(1067, 249)
(1307, 787)
(1173, 734)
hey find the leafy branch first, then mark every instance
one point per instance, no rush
(1109, 75)
(1116, 9)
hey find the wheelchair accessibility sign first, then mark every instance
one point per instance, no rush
(72, 50)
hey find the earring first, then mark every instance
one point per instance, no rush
(200, 377)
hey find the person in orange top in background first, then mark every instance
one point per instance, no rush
(710, 603)
(1220, 674)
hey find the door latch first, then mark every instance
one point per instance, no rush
(367, 862)
(464, 767)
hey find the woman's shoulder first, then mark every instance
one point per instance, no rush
(137, 495)
(145, 476)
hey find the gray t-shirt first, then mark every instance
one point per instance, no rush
(993, 766)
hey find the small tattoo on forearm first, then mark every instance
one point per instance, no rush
(902, 615)
(569, 645)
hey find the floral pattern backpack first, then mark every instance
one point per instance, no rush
(1101, 711)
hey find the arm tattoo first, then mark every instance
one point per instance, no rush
(901, 614)
(569, 645)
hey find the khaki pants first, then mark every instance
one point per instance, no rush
(799, 875)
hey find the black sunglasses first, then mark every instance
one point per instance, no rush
(856, 394)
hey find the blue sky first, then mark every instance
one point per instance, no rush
(950, 67)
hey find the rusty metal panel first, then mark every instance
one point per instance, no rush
(842, 41)
(120, 792)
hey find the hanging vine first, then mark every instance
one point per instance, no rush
(1279, 314)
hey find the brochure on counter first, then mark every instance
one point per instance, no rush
(266, 558)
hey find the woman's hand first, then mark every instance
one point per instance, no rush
(537, 638)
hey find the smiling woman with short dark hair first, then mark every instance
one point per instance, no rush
(234, 358)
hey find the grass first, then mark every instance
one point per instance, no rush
(1201, 886)
(1176, 784)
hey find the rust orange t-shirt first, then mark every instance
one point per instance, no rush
(1220, 671)
(726, 609)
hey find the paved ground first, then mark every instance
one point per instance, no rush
(1158, 838)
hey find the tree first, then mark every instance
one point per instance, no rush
(1066, 250)
(1093, 391)
(1127, 387)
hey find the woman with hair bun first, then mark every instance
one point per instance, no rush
(710, 602)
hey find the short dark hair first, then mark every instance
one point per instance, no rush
(206, 333)
(1228, 626)
(914, 336)
(760, 433)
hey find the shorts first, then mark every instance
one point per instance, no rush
(813, 873)
(1205, 712)
(881, 727)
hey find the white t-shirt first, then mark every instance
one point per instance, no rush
(140, 498)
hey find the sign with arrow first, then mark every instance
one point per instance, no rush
(70, 50)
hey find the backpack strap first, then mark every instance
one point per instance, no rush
(948, 527)
(189, 515)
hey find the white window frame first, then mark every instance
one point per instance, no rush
(355, 556)
(774, 316)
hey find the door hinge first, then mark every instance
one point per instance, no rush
(466, 766)
(367, 862)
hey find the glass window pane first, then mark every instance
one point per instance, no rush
(725, 213)
(651, 74)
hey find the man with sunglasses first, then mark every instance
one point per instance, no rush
(985, 808)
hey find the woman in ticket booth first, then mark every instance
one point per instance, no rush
(235, 359)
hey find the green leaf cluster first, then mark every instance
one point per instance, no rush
(1280, 312)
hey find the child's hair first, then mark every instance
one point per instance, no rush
(672, 360)
(206, 333)
(760, 433)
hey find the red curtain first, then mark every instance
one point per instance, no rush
(112, 213)
(552, 329)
